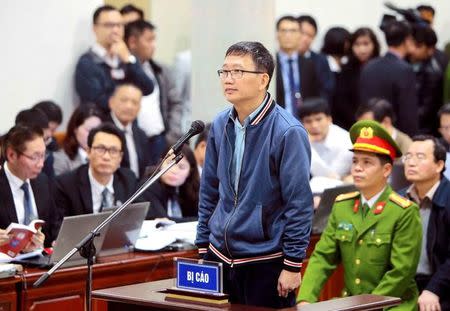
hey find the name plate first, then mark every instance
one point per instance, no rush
(198, 275)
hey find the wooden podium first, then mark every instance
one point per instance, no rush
(147, 296)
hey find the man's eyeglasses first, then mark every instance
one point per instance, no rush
(235, 73)
(35, 158)
(409, 156)
(110, 25)
(101, 150)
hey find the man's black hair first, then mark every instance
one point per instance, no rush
(445, 109)
(32, 117)
(100, 10)
(426, 8)
(17, 137)
(136, 28)
(108, 128)
(396, 32)
(424, 34)
(261, 56)
(314, 105)
(286, 18)
(129, 8)
(307, 19)
(51, 110)
(381, 108)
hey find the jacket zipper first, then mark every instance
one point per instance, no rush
(236, 199)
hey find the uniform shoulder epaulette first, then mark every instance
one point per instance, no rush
(346, 196)
(399, 200)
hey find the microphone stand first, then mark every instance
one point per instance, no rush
(86, 246)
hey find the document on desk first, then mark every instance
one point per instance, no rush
(5, 258)
(154, 236)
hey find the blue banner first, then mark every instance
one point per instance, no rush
(198, 277)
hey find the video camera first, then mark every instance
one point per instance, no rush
(411, 16)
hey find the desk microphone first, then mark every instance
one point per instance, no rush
(196, 128)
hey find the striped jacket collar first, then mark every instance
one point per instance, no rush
(263, 110)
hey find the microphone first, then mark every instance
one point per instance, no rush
(196, 128)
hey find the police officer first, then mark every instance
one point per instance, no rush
(375, 233)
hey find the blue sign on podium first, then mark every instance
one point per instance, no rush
(199, 275)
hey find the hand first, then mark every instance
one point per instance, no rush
(4, 238)
(37, 241)
(288, 282)
(316, 201)
(120, 49)
(429, 301)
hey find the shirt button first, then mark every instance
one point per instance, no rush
(357, 261)
(343, 237)
(357, 281)
(378, 241)
(360, 242)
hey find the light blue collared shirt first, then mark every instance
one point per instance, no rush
(288, 104)
(239, 142)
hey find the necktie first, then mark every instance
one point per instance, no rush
(29, 216)
(292, 87)
(106, 202)
(365, 209)
(174, 208)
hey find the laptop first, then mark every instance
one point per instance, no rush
(123, 231)
(73, 230)
(327, 199)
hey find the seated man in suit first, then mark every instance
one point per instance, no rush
(424, 164)
(101, 183)
(24, 189)
(125, 104)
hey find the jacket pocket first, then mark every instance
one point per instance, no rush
(344, 235)
(379, 248)
(247, 225)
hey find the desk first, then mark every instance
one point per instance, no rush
(8, 294)
(145, 296)
(65, 289)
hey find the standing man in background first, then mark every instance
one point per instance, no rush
(255, 201)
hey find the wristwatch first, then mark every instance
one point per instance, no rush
(131, 59)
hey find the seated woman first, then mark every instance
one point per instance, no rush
(73, 153)
(175, 194)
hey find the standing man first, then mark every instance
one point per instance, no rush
(108, 61)
(296, 76)
(424, 164)
(161, 112)
(392, 78)
(373, 232)
(255, 201)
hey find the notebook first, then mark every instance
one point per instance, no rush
(73, 230)
(327, 199)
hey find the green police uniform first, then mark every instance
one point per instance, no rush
(378, 248)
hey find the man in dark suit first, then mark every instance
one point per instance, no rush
(125, 104)
(424, 164)
(25, 192)
(296, 76)
(100, 184)
(392, 78)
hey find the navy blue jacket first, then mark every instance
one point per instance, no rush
(270, 215)
(393, 79)
(94, 83)
(438, 243)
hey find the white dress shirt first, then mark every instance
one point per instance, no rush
(18, 195)
(150, 118)
(332, 155)
(97, 189)
(129, 140)
(372, 200)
